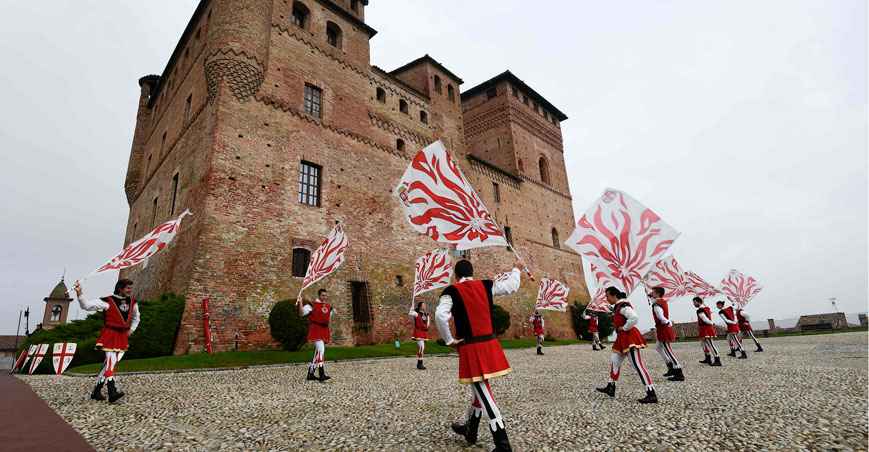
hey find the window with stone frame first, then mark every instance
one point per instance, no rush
(496, 190)
(399, 144)
(55, 313)
(423, 117)
(310, 176)
(381, 95)
(544, 170)
(451, 92)
(313, 101)
(301, 13)
(555, 241)
(402, 106)
(333, 34)
(301, 260)
(437, 85)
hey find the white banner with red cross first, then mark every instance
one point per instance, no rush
(61, 355)
(41, 351)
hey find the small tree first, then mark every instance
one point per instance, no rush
(287, 326)
(580, 325)
(501, 319)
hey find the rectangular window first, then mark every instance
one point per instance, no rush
(187, 108)
(301, 259)
(174, 194)
(313, 101)
(148, 167)
(309, 184)
(497, 190)
(154, 213)
(508, 234)
(163, 144)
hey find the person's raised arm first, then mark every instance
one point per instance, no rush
(88, 305)
(510, 284)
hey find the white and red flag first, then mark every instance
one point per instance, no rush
(627, 238)
(149, 245)
(22, 358)
(668, 274)
(433, 270)
(61, 356)
(327, 258)
(738, 288)
(598, 301)
(699, 287)
(552, 295)
(41, 351)
(440, 202)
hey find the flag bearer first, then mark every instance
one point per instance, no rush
(421, 322)
(537, 322)
(319, 313)
(665, 334)
(706, 333)
(729, 316)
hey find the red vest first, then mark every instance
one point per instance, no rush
(592, 324)
(728, 313)
(664, 307)
(116, 319)
(472, 309)
(739, 317)
(421, 321)
(320, 314)
(704, 310)
(537, 321)
(618, 319)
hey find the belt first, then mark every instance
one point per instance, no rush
(476, 339)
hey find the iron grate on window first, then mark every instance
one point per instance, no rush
(309, 184)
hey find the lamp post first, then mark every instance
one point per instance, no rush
(833, 301)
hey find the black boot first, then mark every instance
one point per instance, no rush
(650, 397)
(311, 376)
(98, 392)
(594, 347)
(732, 353)
(707, 360)
(743, 355)
(602, 346)
(419, 365)
(540, 350)
(670, 370)
(717, 362)
(323, 377)
(759, 348)
(677, 375)
(468, 429)
(114, 394)
(502, 444)
(609, 390)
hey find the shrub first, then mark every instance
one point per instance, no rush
(500, 319)
(287, 326)
(580, 325)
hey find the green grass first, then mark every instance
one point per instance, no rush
(257, 358)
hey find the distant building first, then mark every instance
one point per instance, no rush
(830, 321)
(862, 318)
(7, 350)
(56, 306)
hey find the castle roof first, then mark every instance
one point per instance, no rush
(427, 59)
(60, 292)
(509, 77)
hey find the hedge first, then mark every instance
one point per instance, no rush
(286, 326)
(580, 325)
(500, 319)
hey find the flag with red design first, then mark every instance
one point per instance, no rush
(41, 351)
(61, 356)
(699, 287)
(433, 270)
(627, 238)
(328, 256)
(669, 275)
(149, 245)
(598, 302)
(552, 295)
(22, 359)
(738, 288)
(440, 202)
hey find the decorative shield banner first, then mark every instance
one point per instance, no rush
(328, 256)
(149, 245)
(22, 359)
(627, 237)
(699, 287)
(433, 270)
(61, 356)
(41, 351)
(738, 288)
(440, 202)
(552, 295)
(598, 301)
(668, 274)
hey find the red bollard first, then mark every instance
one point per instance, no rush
(206, 325)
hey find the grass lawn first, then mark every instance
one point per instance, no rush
(256, 358)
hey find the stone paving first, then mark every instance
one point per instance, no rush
(803, 392)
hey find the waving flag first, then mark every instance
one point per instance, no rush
(149, 245)
(433, 270)
(61, 356)
(327, 258)
(699, 287)
(40, 352)
(598, 302)
(738, 288)
(439, 201)
(627, 237)
(667, 274)
(552, 295)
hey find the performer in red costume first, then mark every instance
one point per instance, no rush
(121, 320)
(469, 303)
(593, 329)
(706, 333)
(537, 322)
(319, 313)
(421, 322)
(628, 343)
(729, 316)
(665, 334)
(745, 327)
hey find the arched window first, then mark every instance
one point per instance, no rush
(555, 241)
(301, 13)
(55, 313)
(301, 259)
(521, 166)
(544, 170)
(381, 95)
(451, 93)
(423, 117)
(399, 144)
(333, 34)
(437, 82)
(402, 106)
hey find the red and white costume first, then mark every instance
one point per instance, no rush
(593, 330)
(421, 323)
(745, 327)
(664, 332)
(729, 317)
(319, 315)
(537, 324)
(706, 331)
(121, 320)
(628, 343)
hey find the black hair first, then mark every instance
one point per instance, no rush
(464, 269)
(418, 304)
(720, 302)
(122, 284)
(321, 292)
(612, 290)
(697, 299)
(659, 291)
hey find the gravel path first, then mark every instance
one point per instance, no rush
(804, 392)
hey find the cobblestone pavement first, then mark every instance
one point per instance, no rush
(803, 392)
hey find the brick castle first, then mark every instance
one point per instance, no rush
(270, 123)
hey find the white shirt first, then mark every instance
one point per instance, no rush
(659, 314)
(724, 317)
(445, 303)
(631, 317)
(702, 316)
(306, 309)
(100, 305)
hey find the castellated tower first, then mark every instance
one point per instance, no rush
(269, 123)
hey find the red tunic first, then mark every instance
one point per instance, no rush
(114, 337)
(592, 324)
(538, 325)
(625, 340)
(420, 326)
(744, 324)
(704, 330)
(318, 322)
(728, 313)
(664, 332)
(480, 354)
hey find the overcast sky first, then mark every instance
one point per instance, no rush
(743, 124)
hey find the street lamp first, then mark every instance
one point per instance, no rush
(833, 301)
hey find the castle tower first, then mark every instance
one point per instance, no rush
(56, 306)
